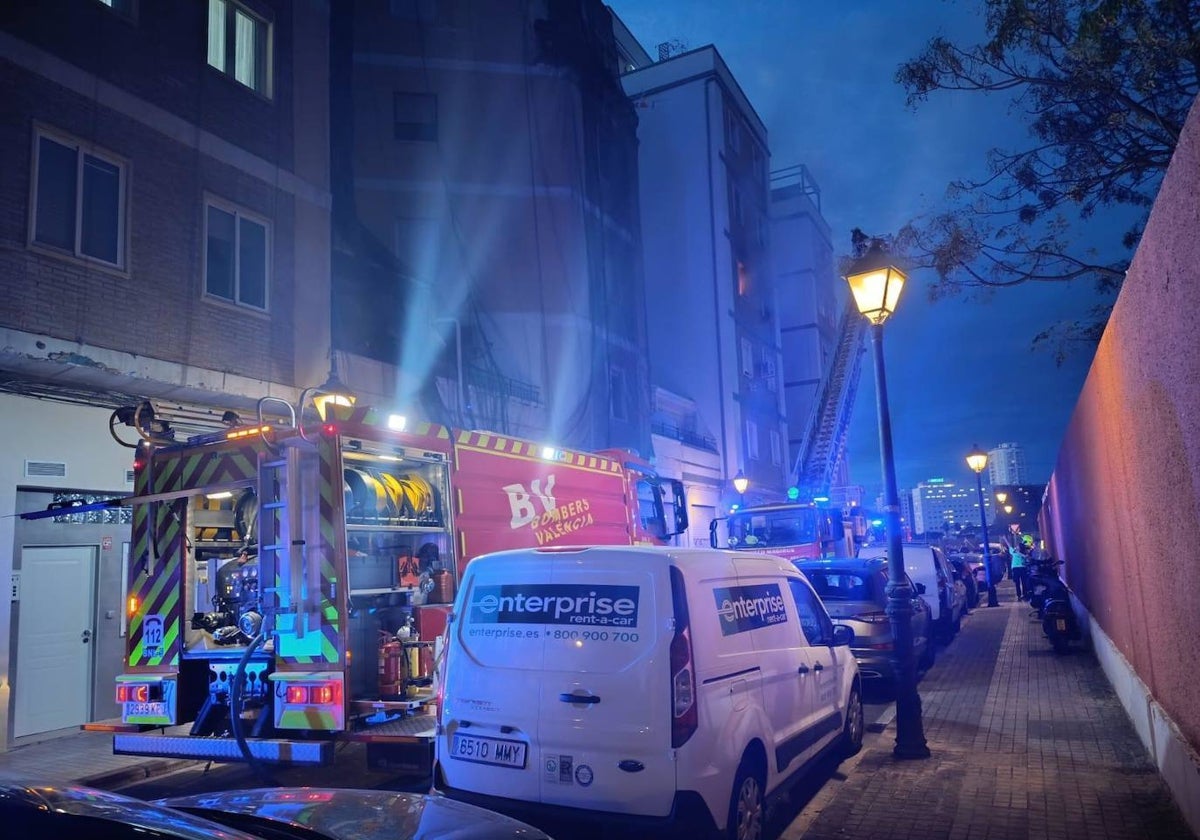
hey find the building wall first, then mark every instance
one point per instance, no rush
(517, 216)
(78, 437)
(1122, 509)
(141, 91)
(810, 297)
(703, 159)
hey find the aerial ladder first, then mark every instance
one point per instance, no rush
(824, 440)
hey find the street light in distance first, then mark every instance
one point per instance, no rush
(740, 483)
(977, 461)
(876, 284)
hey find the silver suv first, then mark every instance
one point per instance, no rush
(853, 591)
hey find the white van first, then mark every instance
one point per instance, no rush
(658, 684)
(944, 592)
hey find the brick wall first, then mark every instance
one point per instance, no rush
(154, 308)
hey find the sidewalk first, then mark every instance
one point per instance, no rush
(1025, 743)
(83, 758)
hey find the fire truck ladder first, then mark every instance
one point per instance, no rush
(282, 552)
(825, 435)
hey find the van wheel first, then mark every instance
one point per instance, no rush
(747, 811)
(852, 730)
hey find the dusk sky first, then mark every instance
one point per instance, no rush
(960, 371)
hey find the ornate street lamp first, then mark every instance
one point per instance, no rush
(977, 461)
(331, 392)
(876, 283)
(740, 483)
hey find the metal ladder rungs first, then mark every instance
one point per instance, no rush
(275, 547)
(273, 505)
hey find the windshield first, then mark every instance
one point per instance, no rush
(763, 529)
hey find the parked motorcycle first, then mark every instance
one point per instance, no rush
(1051, 598)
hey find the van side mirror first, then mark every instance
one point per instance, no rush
(681, 513)
(842, 635)
(920, 588)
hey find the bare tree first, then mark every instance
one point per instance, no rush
(1104, 87)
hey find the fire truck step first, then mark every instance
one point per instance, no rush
(273, 750)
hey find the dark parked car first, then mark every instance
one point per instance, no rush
(317, 814)
(53, 811)
(853, 591)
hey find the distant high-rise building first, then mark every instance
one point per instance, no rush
(937, 502)
(1006, 464)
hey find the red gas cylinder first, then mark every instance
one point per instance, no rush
(393, 669)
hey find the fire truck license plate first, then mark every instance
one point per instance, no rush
(155, 709)
(1061, 624)
(489, 751)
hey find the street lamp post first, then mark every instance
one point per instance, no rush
(977, 461)
(876, 284)
(740, 483)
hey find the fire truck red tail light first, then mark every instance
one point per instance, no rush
(329, 429)
(323, 694)
(319, 694)
(127, 693)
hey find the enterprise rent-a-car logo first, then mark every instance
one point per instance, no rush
(743, 608)
(555, 603)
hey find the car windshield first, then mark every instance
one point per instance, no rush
(773, 528)
(834, 585)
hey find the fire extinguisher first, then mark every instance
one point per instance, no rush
(392, 667)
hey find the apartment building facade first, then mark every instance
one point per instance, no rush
(491, 161)
(165, 228)
(703, 158)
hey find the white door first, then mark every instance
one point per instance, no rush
(54, 639)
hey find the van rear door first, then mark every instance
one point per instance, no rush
(605, 726)
(493, 681)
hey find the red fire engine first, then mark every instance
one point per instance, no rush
(287, 580)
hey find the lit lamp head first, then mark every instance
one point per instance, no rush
(1001, 497)
(740, 482)
(977, 460)
(1008, 508)
(332, 392)
(875, 283)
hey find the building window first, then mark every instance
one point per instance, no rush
(747, 357)
(415, 116)
(79, 200)
(618, 397)
(239, 44)
(125, 8)
(236, 256)
(751, 440)
(776, 448)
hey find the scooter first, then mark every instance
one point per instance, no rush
(1052, 600)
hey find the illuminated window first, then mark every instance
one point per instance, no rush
(239, 44)
(236, 255)
(79, 200)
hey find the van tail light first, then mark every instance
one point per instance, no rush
(439, 675)
(879, 617)
(684, 715)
